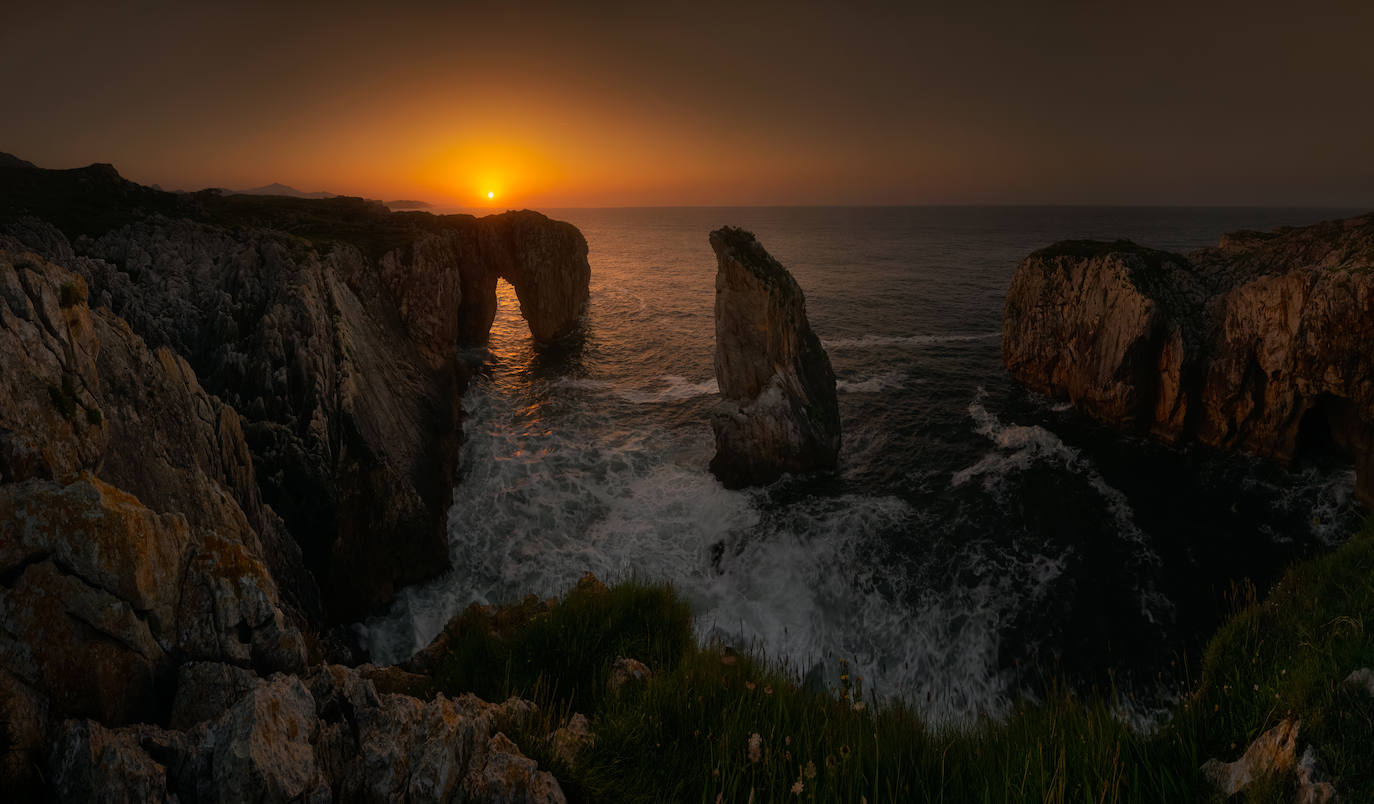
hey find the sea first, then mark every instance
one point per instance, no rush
(978, 543)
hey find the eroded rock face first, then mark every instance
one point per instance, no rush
(779, 411)
(103, 591)
(331, 736)
(151, 597)
(345, 370)
(1259, 344)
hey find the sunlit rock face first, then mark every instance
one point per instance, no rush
(778, 411)
(1259, 344)
(132, 535)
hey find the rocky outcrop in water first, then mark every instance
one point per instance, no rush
(1259, 344)
(779, 411)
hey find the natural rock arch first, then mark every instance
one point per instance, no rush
(544, 261)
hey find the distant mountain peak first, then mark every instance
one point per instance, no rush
(277, 188)
(12, 161)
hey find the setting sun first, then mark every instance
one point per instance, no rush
(490, 194)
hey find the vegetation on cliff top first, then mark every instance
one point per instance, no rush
(711, 725)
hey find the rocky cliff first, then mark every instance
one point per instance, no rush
(226, 423)
(331, 327)
(1259, 344)
(778, 411)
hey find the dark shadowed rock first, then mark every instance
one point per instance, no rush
(12, 161)
(779, 411)
(1260, 344)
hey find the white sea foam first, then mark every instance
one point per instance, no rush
(1325, 497)
(887, 381)
(807, 583)
(1018, 448)
(870, 341)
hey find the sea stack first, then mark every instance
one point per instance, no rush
(1259, 344)
(778, 411)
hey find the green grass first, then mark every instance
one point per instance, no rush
(686, 734)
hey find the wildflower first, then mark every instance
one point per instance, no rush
(810, 769)
(797, 788)
(1256, 688)
(749, 685)
(858, 706)
(786, 756)
(768, 690)
(755, 747)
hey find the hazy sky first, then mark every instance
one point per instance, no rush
(582, 103)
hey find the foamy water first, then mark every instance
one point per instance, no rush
(974, 537)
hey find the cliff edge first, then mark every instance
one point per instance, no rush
(331, 327)
(1260, 343)
(778, 411)
(227, 423)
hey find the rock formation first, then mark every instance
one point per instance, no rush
(331, 327)
(226, 423)
(779, 411)
(330, 736)
(1259, 344)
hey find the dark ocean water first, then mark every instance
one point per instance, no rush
(976, 539)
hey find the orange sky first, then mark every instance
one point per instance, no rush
(590, 104)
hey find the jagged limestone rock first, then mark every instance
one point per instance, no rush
(779, 411)
(1259, 344)
(331, 327)
(329, 736)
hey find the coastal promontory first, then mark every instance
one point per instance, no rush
(229, 426)
(1259, 344)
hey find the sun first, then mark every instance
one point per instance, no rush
(491, 194)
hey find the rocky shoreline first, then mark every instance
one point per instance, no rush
(227, 425)
(1260, 344)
